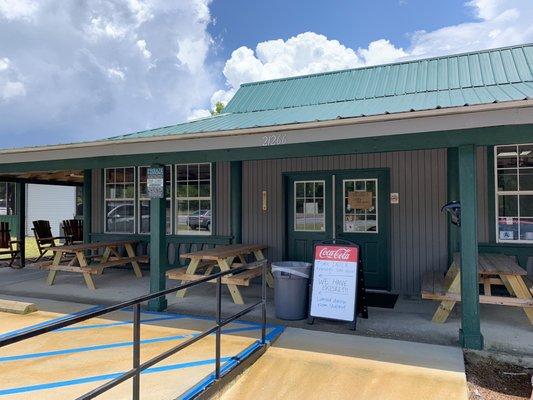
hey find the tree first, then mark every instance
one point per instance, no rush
(219, 107)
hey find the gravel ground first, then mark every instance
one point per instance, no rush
(491, 379)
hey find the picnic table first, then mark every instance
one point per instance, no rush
(224, 257)
(73, 258)
(493, 269)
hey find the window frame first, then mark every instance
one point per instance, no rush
(14, 191)
(106, 200)
(517, 193)
(376, 183)
(139, 199)
(175, 201)
(295, 198)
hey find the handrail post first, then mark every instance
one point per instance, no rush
(136, 350)
(219, 319)
(263, 303)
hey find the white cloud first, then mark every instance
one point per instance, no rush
(85, 70)
(141, 45)
(199, 113)
(499, 23)
(17, 9)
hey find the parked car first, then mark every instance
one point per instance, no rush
(121, 218)
(201, 219)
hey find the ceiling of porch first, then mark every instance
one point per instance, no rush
(70, 177)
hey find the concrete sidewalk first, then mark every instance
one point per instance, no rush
(304, 364)
(505, 329)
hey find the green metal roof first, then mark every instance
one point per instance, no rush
(481, 77)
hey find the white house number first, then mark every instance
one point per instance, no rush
(273, 140)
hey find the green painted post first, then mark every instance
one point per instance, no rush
(21, 210)
(453, 194)
(470, 333)
(236, 200)
(87, 205)
(158, 248)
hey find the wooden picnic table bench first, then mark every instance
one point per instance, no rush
(79, 263)
(493, 269)
(225, 257)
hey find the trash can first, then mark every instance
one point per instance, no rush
(291, 293)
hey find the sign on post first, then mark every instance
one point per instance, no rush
(155, 182)
(335, 283)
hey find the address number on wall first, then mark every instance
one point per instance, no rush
(273, 140)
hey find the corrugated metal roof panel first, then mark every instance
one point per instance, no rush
(454, 81)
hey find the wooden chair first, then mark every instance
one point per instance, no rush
(7, 245)
(73, 229)
(43, 236)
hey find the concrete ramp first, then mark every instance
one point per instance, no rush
(305, 364)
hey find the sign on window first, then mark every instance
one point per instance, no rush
(155, 182)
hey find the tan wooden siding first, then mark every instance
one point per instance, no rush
(418, 229)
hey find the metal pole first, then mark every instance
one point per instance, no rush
(263, 303)
(219, 319)
(136, 350)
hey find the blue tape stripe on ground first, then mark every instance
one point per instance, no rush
(41, 324)
(112, 324)
(90, 379)
(110, 346)
(232, 363)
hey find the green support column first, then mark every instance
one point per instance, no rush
(470, 333)
(158, 248)
(87, 205)
(21, 210)
(236, 200)
(453, 194)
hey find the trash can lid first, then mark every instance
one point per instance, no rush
(298, 268)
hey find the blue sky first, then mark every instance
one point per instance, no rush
(354, 23)
(73, 71)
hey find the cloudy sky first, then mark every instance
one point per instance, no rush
(74, 70)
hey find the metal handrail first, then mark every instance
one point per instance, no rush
(135, 372)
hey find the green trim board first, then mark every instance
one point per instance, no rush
(470, 333)
(491, 195)
(236, 200)
(21, 209)
(507, 134)
(452, 158)
(87, 204)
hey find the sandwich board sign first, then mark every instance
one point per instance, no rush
(337, 288)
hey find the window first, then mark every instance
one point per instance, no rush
(514, 193)
(120, 200)
(193, 199)
(144, 201)
(360, 191)
(309, 206)
(7, 198)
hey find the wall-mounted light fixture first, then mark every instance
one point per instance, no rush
(265, 202)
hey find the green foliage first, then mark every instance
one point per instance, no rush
(219, 107)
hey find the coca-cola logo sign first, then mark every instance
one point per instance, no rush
(336, 253)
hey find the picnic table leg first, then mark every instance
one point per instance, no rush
(269, 278)
(521, 291)
(446, 306)
(80, 255)
(134, 264)
(105, 258)
(233, 289)
(191, 269)
(53, 272)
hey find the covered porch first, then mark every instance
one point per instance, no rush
(250, 202)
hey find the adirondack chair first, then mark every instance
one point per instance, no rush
(43, 236)
(73, 229)
(7, 245)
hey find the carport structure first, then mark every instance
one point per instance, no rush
(279, 164)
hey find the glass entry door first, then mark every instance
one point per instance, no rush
(351, 205)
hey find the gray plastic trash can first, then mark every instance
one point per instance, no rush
(291, 289)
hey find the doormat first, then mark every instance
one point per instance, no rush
(381, 300)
